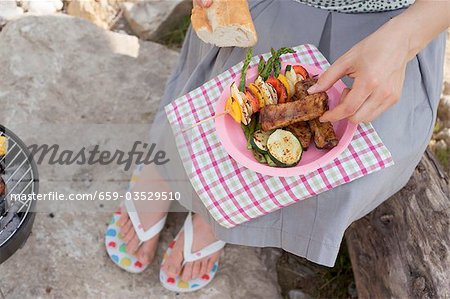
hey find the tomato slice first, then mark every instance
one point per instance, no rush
(280, 88)
(253, 100)
(283, 95)
(299, 70)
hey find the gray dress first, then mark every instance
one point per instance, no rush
(314, 228)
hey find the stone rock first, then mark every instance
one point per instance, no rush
(151, 20)
(446, 90)
(440, 146)
(42, 6)
(444, 135)
(444, 111)
(61, 71)
(9, 10)
(55, 65)
(298, 294)
(98, 12)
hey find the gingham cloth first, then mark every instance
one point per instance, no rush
(234, 194)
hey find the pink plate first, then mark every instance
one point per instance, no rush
(232, 137)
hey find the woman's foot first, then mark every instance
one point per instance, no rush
(203, 236)
(150, 212)
(144, 252)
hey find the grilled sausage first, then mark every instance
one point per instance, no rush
(324, 135)
(282, 115)
(302, 131)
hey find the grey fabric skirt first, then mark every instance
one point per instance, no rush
(314, 228)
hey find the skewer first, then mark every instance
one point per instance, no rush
(205, 120)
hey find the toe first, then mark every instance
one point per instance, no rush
(131, 234)
(204, 267)
(211, 263)
(186, 274)
(123, 218)
(174, 264)
(146, 252)
(125, 228)
(133, 244)
(175, 259)
(196, 269)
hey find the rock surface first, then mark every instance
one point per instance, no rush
(8, 11)
(83, 74)
(42, 6)
(151, 20)
(98, 12)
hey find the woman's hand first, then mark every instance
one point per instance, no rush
(377, 63)
(203, 3)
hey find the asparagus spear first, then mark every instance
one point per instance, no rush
(248, 58)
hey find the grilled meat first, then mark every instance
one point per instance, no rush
(324, 135)
(282, 115)
(301, 88)
(302, 131)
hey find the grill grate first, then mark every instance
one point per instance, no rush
(21, 178)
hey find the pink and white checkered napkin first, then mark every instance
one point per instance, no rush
(234, 194)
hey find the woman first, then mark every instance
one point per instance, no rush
(393, 52)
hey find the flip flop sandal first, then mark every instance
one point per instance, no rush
(115, 245)
(176, 284)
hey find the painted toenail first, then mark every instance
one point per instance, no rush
(171, 244)
(205, 277)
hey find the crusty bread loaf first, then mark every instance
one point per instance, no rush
(226, 23)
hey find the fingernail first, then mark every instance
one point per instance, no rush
(313, 88)
(323, 119)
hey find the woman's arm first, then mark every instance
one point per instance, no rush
(377, 63)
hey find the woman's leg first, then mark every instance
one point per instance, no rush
(198, 63)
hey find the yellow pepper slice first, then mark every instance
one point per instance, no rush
(285, 82)
(234, 109)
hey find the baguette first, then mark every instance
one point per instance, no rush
(226, 23)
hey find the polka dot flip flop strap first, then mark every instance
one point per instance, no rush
(176, 284)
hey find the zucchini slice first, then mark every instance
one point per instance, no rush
(259, 141)
(270, 161)
(259, 157)
(284, 148)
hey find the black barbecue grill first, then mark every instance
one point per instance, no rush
(19, 175)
